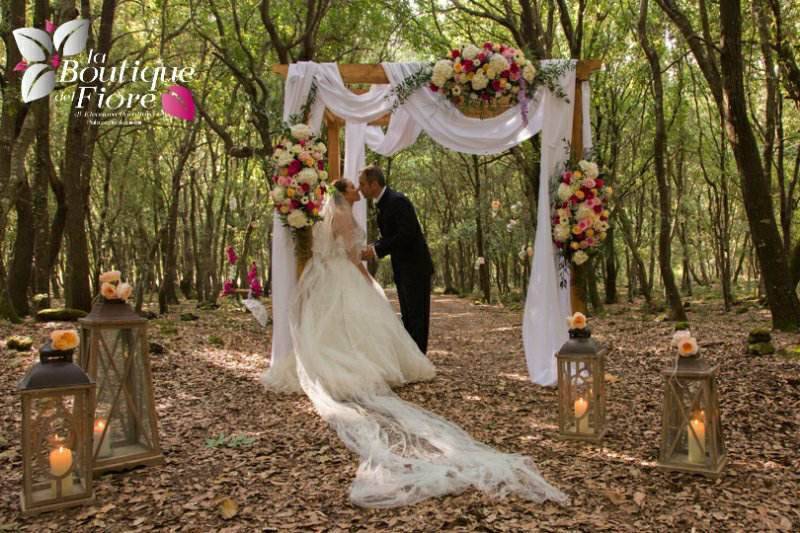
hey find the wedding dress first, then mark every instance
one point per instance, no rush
(350, 349)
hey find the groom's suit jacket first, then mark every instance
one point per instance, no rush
(401, 237)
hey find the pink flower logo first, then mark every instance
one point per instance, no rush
(178, 102)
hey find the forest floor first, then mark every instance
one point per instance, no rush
(296, 474)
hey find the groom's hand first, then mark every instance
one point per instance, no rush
(368, 253)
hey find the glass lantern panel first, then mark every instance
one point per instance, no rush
(685, 421)
(122, 399)
(56, 451)
(580, 398)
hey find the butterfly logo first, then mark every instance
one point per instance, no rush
(42, 51)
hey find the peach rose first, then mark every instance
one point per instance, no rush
(124, 291)
(64, 339)
(108, 291)
(577, 321)
(687, 346)
(110, 276)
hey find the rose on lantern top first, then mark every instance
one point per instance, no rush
(112, 288)
(577, 321)
(687, 346)
(64, 339)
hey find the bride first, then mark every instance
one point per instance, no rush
(350, 350)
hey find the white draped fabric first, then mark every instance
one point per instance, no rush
(547, 305)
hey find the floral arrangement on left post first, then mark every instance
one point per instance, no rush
(299, 186)
(113, 288)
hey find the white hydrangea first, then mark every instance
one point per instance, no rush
(442, 71)
(589, 168)
(564, 192)
(498, 63)
(479, 81)
(307, 175)
(278, 195)
(320, 147)
(296, 149)
(580, 257)
(529, 72)
(323, 175)
(584, 211)
(301, 131)
(297, 219)
(285, 158)
(562, 232)
(470, 51)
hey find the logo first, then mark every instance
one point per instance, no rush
(42, 54)
(44, 61)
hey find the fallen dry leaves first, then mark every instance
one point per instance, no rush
(296, 474)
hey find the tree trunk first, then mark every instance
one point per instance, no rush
(483, 271)
(75, 173)
(782, 299)
(660, 148)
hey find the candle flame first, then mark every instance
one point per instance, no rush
(99, 425)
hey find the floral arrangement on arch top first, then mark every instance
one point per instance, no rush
(494, 72)
(493, 75)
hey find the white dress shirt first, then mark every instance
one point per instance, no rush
(378, 199)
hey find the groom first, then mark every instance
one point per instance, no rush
(402, 238)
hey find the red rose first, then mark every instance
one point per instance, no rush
(514, 67)
(434, 87)
(295, 204)
(455, 53)
(302, 142)
(496, 85)
(598, 209)
(306, 187)
(565, 205)
(481, 57)
(468, 66)
(573, 199)
(294, 167)
(484, 96)
(599, 182)
(488, 45)
(321, 164)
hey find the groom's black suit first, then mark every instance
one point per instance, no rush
(402, 238)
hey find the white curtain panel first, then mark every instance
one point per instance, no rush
(547, 305)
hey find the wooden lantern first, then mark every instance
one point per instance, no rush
(114, 352)
(581, 388)
(57, 406)
(691, 435)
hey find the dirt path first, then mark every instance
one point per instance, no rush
(296, 475)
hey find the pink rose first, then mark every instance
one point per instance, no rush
(284, 181)
(321, 165)
(589, 183)
(515, 76)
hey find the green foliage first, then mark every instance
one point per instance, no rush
(229, 441)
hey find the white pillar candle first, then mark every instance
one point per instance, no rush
(60, 464)
(105, 443)
(581, 406)
(697, 441)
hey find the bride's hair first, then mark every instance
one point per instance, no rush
(340, 186)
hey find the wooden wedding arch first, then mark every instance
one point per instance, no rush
(374, 74)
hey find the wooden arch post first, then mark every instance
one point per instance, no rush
(374, 74)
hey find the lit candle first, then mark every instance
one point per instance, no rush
(581, 406)
(103, 443)
(697, 441)
(60, 464)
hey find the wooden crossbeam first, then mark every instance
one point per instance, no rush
(374, 73)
